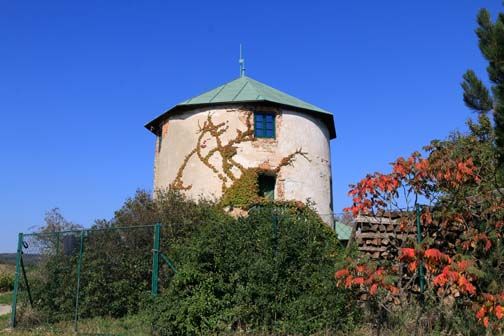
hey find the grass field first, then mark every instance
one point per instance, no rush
(4, 322)
(7, 268)
(10, 259)
(99, 326)
(6, 298)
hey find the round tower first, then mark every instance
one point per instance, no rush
(245, 134)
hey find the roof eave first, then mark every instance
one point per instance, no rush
(328, 118)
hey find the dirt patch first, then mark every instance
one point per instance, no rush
(5, 309)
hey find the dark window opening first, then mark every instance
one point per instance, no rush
(264, 125)
(267, 186)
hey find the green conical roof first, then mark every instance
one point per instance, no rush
(247, 90)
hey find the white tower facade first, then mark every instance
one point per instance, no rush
(209, 145)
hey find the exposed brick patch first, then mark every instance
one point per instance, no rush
(164, 131)
(280, 188)
(265, 166)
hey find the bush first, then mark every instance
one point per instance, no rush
(267, 272)
(6, 282)
(271, 271)
(117, 263)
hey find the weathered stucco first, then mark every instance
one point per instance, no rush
(294, 130)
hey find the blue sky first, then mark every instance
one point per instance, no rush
(78, 80)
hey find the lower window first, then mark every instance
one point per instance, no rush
(267, 186)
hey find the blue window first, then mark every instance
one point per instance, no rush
(264, 125)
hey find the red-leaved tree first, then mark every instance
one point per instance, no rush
(461, 255)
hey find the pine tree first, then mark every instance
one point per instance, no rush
(476, 95)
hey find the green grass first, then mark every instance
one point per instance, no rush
(4, 322)
(128, 326)
(6, 298)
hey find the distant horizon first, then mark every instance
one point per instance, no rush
(80, 80)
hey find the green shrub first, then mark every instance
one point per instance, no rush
(6, 282)
(272, 271)
(116, 265)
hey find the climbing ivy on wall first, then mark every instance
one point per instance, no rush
(243, 191)
(227, 151)
(244, 186)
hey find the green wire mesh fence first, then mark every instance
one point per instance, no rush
(74, 274)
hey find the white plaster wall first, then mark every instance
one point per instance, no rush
(307, 180)
(294, 130)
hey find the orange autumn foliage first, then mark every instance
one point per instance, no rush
(451, 266)
(491, 309)
(364, 276)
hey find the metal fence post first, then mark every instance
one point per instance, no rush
(79, 265)
(27, 284)
(419, 240)
(275, 233)
(155, 261)
(16, 281)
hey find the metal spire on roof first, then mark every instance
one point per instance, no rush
(242, 63)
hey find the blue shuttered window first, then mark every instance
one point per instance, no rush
(264, 125)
